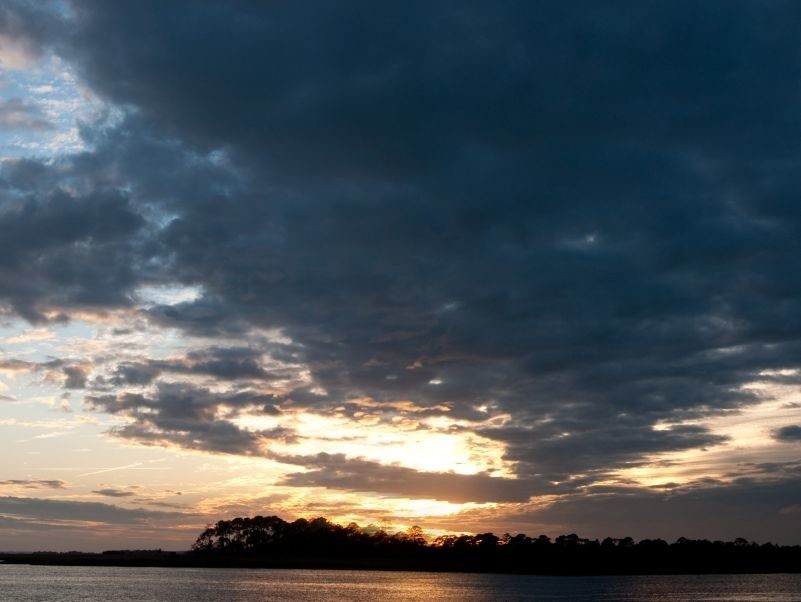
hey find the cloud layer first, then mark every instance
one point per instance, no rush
(574, 228)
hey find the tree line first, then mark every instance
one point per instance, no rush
(270, 540)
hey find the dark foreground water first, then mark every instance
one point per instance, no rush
(20, 583)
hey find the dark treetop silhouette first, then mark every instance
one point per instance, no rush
(269, 541)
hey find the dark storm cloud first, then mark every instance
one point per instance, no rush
(224, 363)
(586, 446)
(583, 217)
(790, 433)
(191, 417)
(142, 373)
(63, 251)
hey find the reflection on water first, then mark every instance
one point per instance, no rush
(85, 584)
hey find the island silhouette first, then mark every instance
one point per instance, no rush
(271, 542)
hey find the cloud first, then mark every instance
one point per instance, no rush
(64, 251)
(34, 483)
(75, 377)
(136, 373)
(754, 510)
(335, 471)
(114, 492)
(37, 334)
(25, 28)
(192, 417)
(223, 363)
(15, 53)
(63, 510)
(788, 434)
(12, 366)
(572, 444)
(71, 376)
(29, 524)
(15, 113)
(579, 223)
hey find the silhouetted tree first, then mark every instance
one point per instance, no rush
(270, 537)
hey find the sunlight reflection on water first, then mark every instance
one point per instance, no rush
(90, 584)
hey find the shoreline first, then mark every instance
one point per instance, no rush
(192, 560)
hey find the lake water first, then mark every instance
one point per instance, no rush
(20, 583)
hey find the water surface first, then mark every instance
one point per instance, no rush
(21, 583)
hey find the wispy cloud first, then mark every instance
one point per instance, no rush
(88, 512)
(34, 483)
(16, 113)
(108, 492)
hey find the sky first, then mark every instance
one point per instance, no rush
(511, 266)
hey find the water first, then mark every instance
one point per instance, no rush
(20, 583)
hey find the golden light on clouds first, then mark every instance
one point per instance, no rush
(429, 445)
(30, 335)
(749, 441)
